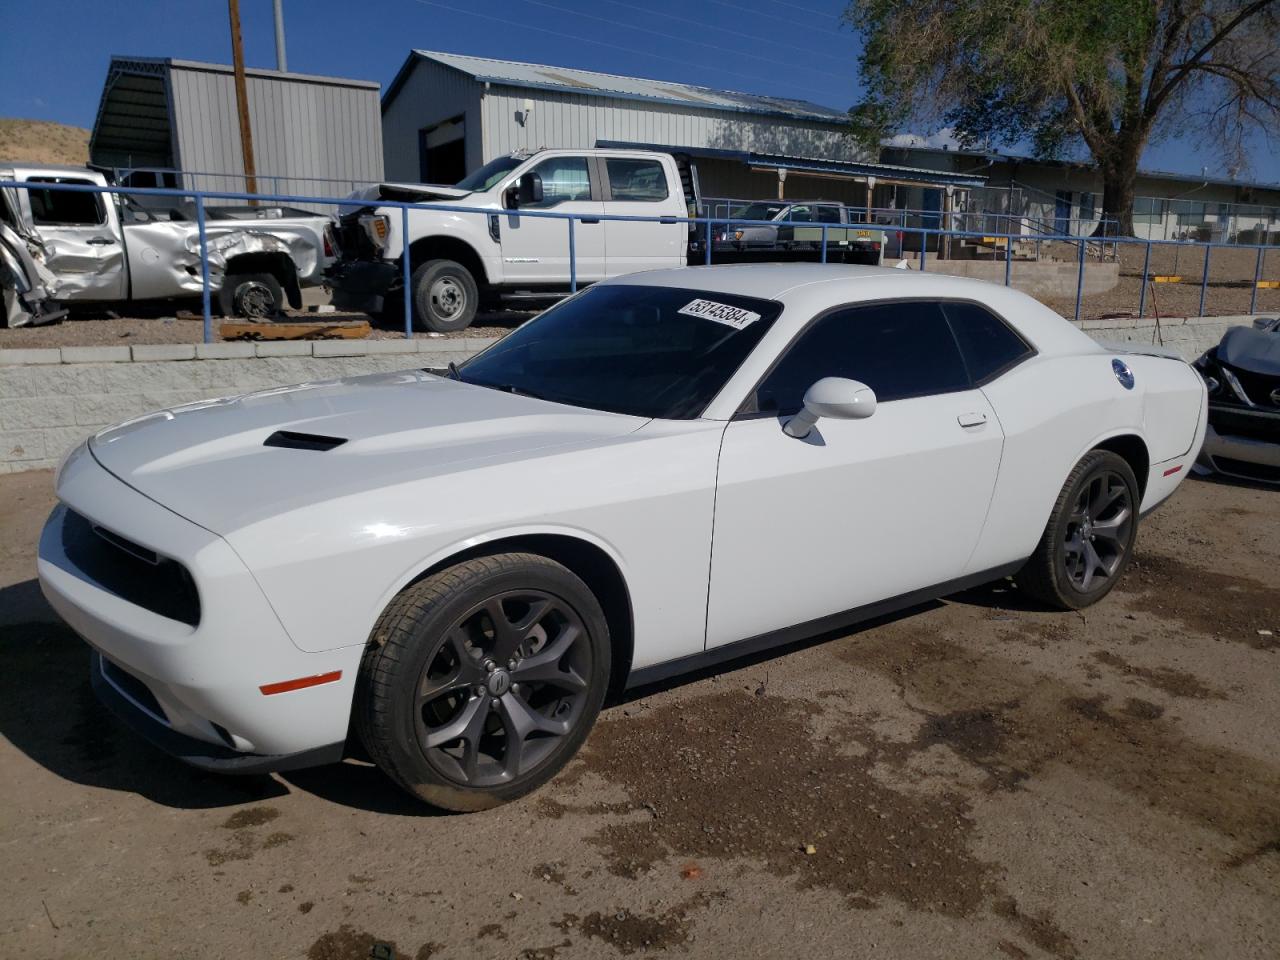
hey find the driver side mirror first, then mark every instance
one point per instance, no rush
(526, 190)
(835, 397)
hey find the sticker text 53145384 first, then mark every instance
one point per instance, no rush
(735, 317)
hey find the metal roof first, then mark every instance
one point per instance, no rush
(143, 63)
(849, 168)
(569, 80)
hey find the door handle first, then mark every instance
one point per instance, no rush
(971, 419)
(101, 241)
(589, 220)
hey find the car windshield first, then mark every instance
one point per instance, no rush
(760, 211)
(490, 173)
(644, 351)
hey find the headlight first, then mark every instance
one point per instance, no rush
(377, 227)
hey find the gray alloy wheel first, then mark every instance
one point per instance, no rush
(1098, 530)
(1088, 542)
(482, 680)
(507, 683)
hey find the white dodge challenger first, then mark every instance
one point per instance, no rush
(664, 471)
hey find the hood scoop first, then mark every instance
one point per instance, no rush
(303, 441)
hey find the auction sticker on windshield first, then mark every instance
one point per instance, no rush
(734, 317)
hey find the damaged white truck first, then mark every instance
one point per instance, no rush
(106, 248)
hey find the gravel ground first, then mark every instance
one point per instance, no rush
(976, 779)
(166, 325)
(1230, 279)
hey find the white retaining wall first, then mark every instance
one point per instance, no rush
(50, 400)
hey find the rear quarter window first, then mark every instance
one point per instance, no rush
(989, 345)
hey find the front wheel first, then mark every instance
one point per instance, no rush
(481, 682)
(1089, 539)
(445, 297)
(254, 296)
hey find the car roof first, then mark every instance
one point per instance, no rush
(810, 288)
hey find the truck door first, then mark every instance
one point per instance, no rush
(536, 249)
(640, 187)
(81, 237)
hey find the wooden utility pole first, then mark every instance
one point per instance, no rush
(242, 99)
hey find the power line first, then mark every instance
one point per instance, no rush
(700, 43)
(737, 33)
(789, 21)
(683, 61)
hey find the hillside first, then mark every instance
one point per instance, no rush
(42, 141)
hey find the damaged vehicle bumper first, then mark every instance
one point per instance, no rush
(1242, 375)
(25, 285)
(365, 285)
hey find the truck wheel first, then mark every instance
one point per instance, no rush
(445, 297)
(255, 296)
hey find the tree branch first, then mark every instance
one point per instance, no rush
(1180, 72)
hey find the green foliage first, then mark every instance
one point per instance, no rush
(1108, 74)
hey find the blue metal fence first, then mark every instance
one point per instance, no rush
(708, 223)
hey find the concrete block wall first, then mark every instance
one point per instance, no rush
(50, 400)
(1043, 278)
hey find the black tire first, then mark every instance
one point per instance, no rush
(254, 296)
(1078, 561)
(435, 635)
(445, 297)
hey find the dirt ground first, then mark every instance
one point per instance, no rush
(977, 778)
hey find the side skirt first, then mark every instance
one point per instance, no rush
(812, 628)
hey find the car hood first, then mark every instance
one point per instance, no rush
(210, 461)
(1257, 351)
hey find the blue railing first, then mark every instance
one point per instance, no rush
(708, 223)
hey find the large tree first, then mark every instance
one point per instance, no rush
(1111, 75)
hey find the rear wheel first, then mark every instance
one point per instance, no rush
(445, 297)
(1088, 542)
(482, 681)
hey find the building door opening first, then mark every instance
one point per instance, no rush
(1062, 212)
(442, 152)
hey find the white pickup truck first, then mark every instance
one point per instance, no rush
(461, 261)
(101, 247)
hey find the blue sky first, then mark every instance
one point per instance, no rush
(55, 52)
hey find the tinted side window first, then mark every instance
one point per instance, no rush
(989, 346)
(563, 178)
(803, 214)
(899, 350)
(827, 214)
(65, 207)
(639, 180)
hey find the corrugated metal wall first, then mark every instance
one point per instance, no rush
(573, 120)
(313, 132)
(432, 93)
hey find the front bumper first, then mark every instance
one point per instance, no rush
(200, 682)
(1243, 442)
(364, 285)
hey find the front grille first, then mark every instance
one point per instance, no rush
(131, 571)
(1241, 423)
(134, 688)
(1247, 470)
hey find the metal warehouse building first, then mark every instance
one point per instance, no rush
(308, 131)
(446, 114)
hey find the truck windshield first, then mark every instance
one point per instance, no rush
(760, 211)
(490, 173)
(644, 351)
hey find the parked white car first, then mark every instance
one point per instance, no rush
(666, 470)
